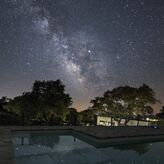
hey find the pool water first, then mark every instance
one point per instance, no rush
(67, 148)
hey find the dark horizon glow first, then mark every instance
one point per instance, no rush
(91, 45)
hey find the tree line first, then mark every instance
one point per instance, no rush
(48, 104)
(124, 102)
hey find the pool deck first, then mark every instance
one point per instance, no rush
(102, 133)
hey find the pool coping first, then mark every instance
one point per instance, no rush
(114, 141)
(7, 148)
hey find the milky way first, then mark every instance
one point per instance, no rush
(91, 45)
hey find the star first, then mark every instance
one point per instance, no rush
(89, 51)
(91, 46)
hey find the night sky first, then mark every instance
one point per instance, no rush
(91, 45)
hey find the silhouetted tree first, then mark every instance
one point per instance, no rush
(2, 103)
(162, 109)
(50, 100)
(23, 106)
(125, 102)
(72, 116)
(86, 116)
(144, 99)
(47, 103)
(6, 117)
(161, 114)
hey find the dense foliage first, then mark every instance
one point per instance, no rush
(125, 102)
(47, 103)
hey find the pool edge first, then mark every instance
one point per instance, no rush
(6, 147)
(7, 154)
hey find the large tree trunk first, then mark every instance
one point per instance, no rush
(119, 122)
(126, 121)
(45, 118)
(137, 122)
(111, 121)
(22, 118)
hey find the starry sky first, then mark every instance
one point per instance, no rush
(91, 45)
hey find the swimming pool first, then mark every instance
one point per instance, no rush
(66, 147)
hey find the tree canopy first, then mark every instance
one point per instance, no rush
(125, 102)
(46, 103)
(161, 114)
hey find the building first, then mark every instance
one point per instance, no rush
(109, 121)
